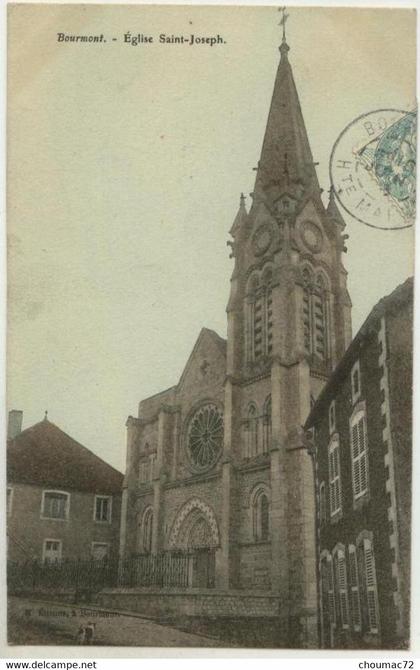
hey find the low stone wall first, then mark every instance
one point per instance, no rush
(190, 603)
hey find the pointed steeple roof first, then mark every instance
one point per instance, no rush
(286, 162)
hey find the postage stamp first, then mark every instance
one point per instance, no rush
(373, 168)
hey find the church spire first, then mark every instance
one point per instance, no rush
(240, 218)
(333, 210)
(286, 162)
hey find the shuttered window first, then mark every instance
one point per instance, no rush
(328, 612)
(331, 417)
(341, 585)
(258, 327)
(315, 312)
(359, 455)
(330, 591)
(269, 322)
(334, 476)
(371, 586)
(354, 589)
(322, 503)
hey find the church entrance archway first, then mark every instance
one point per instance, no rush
(196, 532)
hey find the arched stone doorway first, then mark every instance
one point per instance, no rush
(195, 531)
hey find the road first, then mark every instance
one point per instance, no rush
(54, 623)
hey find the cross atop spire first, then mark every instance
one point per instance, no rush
(284, 47)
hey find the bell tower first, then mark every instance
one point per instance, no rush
(289, 323)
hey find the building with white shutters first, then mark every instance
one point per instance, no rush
(361, 425)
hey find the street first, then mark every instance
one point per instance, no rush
(43, 622)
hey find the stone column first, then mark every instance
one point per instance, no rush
(301, 514)
(156, 539)
(279, 571)
(129, 483)
(176, 444)
(158, 478)
(223, 556)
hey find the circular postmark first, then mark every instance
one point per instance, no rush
(373, 168)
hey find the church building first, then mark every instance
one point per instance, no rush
(219, 462)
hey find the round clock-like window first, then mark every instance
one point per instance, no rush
(262, 239)
(311, 236)
(205, 437)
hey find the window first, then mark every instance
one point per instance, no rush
(9, 500)
(334, 476)
(359, 453)
(147, 530)
(260, 516)
(307, 311)
(327, 598)
(147, 469)
(354, 589)
(370, 600)
(331, 417)
(103, 508)
(315, 315)
(55, 505)
(100, 551)
(51, 551)
(355, 382)
(268, 335)
(259, 321)
(322, 503)
(320, 319)
(252, 432)
(267, 425)
(341, 584)
(152, 466)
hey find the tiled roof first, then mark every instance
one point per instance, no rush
(46, 456)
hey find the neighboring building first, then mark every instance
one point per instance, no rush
(363, 436)
(63, 502)
(217, 461)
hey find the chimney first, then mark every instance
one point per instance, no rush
(15, 423)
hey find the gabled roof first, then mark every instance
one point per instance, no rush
(286, 156)
(219, 342)
(388, 304)
(46, 456)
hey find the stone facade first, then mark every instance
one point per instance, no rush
(364, 491)
(288, 323)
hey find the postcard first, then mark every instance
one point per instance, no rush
(210, 313)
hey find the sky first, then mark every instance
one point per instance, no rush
(125, 166)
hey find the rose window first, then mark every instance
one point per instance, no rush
(205, 437)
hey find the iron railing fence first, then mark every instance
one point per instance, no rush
(176, 569)
(78, 575)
